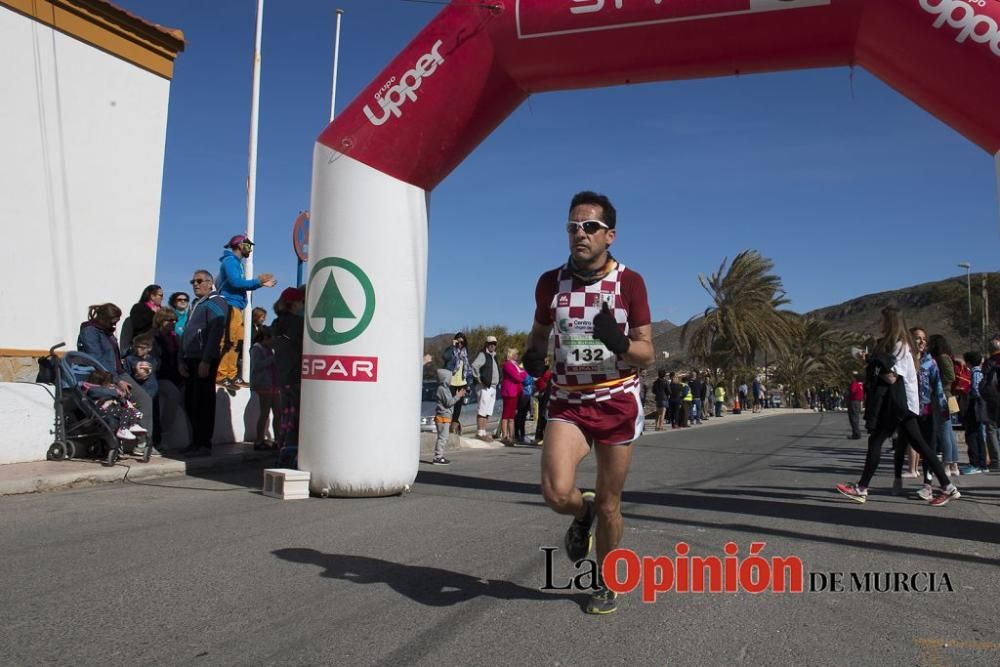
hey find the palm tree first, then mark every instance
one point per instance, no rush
(817, 355)
(744, 318)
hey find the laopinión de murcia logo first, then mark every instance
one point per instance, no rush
(625, 571)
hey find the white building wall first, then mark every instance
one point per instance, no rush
(82, 137)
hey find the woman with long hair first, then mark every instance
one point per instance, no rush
(946, 446)
(97, 338)
(142, 312)
(894, 403)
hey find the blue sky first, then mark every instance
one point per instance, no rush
(849, 187)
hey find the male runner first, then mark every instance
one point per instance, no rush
(603, 336)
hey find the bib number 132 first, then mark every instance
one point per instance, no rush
(586, 354)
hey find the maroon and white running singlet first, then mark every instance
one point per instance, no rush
(591, 386)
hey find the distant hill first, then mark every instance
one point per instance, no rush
(922, 305)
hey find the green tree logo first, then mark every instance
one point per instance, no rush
(332, 306)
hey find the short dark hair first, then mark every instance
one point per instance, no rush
(608, 214)
(173, 297)
(144, 339)
(973, 358)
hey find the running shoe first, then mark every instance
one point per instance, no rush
(580, 536)
(926, 492)
(970, 470)
(946, 495)
(440, 461)
(897, 487)
(603, 601)
(854, 492)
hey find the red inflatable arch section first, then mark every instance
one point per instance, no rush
(429, 113)
(466, 72)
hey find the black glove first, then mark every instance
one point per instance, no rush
(606, 330)
(533, 362)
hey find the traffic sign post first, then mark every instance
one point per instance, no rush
(300, 243)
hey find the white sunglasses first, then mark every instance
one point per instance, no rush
(589, 226)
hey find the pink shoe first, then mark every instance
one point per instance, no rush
(125, 434)
(137, 428)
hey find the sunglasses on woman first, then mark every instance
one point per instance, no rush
(589, 226)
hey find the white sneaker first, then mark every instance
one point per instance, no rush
(926, 492)
(137, 428)
(125, 434)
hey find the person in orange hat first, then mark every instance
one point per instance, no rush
(233, 287)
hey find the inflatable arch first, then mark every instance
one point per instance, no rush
(470, 68)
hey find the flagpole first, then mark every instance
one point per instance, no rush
(336, 56)
(252, 188)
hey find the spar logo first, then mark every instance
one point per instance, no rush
(960, 15)
(346, 302)
(339, 368)
(392, 99)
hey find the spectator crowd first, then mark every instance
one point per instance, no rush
(183, 352)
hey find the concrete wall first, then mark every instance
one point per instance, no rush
(27, 416)
(82, 137)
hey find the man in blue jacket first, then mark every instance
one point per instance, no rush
(200, 347)
(233, 287)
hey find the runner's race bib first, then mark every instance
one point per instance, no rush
(578, 349)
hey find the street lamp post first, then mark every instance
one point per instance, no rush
(968, 284)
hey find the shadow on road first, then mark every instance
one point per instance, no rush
(479, 483)
(427, 585)
(773, 504)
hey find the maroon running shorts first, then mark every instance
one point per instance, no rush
(615, 421)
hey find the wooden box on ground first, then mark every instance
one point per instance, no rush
(286, 484)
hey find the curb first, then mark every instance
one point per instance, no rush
(92, 473)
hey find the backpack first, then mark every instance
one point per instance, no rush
(963, 379)
(989, 391)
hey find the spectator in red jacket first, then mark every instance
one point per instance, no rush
(855, 403)
(510, 390)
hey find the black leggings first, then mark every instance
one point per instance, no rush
(909, 431)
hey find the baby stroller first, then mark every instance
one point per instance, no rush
(80, 429)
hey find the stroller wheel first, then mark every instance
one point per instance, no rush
(57, 451)
(112, 456)
(70, 449)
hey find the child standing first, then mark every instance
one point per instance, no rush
(447, 396)
(264, 382)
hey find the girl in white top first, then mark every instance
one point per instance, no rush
(896, 341)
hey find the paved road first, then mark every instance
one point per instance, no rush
(208, 571)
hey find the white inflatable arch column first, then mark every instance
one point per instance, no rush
(470, 68)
